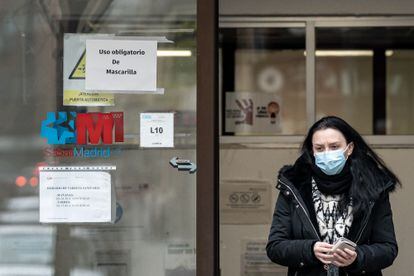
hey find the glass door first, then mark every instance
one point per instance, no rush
(142, 140)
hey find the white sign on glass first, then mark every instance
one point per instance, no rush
(74, 196)
(157, 130)
(121, 65)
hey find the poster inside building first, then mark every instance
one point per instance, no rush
(253, 113)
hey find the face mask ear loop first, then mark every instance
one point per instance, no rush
(346, 148)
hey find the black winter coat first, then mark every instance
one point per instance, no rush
(294, 229)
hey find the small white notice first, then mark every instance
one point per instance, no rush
(121, 65)
(180, 258)
(245, 201)
(74, 196)
(254, 260)
(157, 130)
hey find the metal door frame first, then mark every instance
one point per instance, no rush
(207, 140)
(311, 23)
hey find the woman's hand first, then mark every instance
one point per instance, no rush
(321, 250)
(344, 257)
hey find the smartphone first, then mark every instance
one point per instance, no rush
(343, 243)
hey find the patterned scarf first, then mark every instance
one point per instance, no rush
(332, 223)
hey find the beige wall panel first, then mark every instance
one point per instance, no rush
(263, 164)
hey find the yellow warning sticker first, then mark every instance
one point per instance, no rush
(78, 73)
(82, 98)
(74, 74)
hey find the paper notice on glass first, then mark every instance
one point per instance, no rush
(245, 202)
(113, 262)
(121, 65)
(254, 260)
(180, 259)
(253, 113)
(75, 196)
(157, 130)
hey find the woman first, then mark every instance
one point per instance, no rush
(338, 187)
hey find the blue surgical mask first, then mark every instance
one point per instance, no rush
(331, 162)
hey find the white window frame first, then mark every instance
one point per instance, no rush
(310, 23)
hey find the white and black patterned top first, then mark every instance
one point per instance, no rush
(331, 222)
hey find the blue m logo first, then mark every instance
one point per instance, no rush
(59, 128)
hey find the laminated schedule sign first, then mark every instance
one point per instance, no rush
(121, 65)
(74, 196)
(157, 130)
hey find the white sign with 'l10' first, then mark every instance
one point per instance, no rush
(157, 130)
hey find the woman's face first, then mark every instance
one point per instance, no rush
(330, 139)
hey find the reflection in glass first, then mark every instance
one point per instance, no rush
(400, 96)
(363, 74)
(344, 88)
(269, 62)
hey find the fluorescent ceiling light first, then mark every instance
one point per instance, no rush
(343, 53)
(174, 53)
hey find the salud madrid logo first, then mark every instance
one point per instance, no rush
(65, 128)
